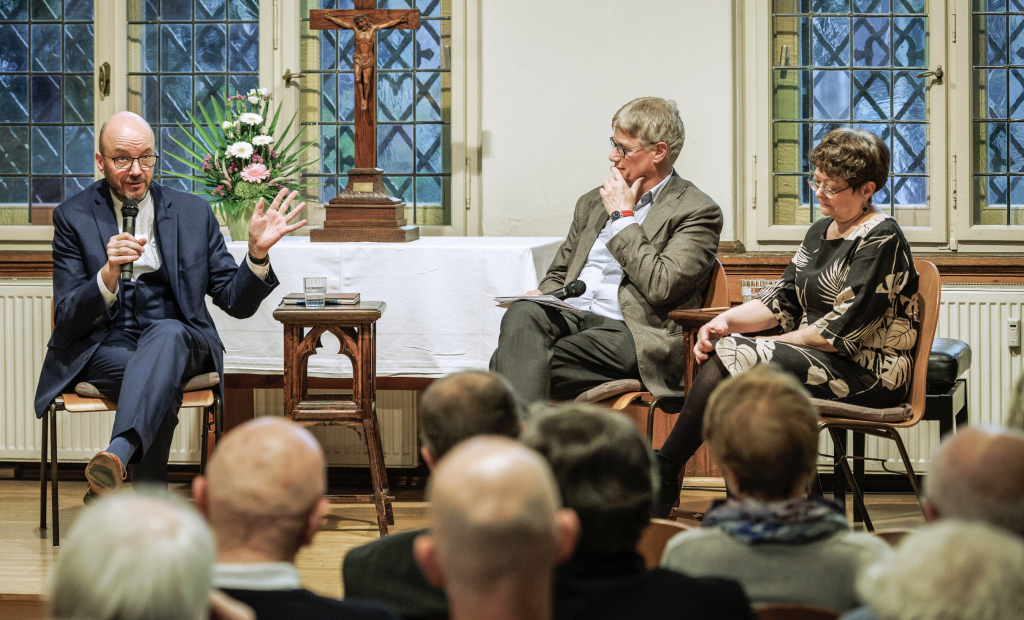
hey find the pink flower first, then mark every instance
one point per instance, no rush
(254, 173)
(256, 159)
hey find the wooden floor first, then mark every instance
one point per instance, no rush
(26, 554)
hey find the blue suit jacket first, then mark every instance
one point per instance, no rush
(192, 250)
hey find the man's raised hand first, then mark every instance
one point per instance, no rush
(617, 195)
(268, 225)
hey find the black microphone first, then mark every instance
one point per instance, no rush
(129, 211)
(572, 289)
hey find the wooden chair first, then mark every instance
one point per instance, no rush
(198, 393)
(795, 612)
(893, 536)
(654, 538)
(884, 423)
(630, 396)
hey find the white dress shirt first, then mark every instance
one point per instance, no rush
(602, 273)
(150, 259)
(258, 576)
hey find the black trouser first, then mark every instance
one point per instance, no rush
(686, 435)
(547, 353)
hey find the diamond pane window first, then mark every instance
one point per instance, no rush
(413, 108)
(46, 106)
(998, 111)
(185, 51)
(850, 63)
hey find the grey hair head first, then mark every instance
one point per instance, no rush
(134, 557)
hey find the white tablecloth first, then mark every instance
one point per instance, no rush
(441, 316)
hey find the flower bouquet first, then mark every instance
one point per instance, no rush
(241, 159)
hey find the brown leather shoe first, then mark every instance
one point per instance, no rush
(105, 474)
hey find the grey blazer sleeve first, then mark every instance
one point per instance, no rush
(662, 276)
(560, 265)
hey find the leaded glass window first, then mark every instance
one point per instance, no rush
(998, 108)
(413, 107)
(850, 63)
(184, 51)
(46, 106)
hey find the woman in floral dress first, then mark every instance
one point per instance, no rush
(846, 305)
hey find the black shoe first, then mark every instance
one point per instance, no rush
(668, 486)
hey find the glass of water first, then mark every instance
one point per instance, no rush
(747, 289)
(316, 291)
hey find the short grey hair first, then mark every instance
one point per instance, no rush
(134, 557)
(652, 120)
(952, 570)
(958, 492)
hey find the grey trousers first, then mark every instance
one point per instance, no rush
(549, 353)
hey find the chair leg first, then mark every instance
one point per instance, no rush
(858, 469)
(218, 418)
(858, 497)
(895, 436)
(42, 467)
(204, 437)
(53, 477)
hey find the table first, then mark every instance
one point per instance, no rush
(354, 327)
(439, 290)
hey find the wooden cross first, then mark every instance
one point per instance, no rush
(364, 22)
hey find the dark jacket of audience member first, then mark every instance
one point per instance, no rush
(452, 410)
(603, 469)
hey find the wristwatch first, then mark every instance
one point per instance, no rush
(618, 214)
(259, 261)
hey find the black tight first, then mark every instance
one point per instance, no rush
(686, 435)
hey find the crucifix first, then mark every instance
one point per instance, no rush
(365, 211)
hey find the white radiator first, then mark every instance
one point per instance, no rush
(25, 307)
(978, 315)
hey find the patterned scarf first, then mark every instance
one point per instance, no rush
(792, 521)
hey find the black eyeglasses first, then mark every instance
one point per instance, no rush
(621, 150)
(123, 163)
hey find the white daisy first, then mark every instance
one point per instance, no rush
(250, 118)
(240, 150)
(262, 140)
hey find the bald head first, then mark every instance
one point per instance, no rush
(261, 486)
(978, 475)
(124, 124)
(494, 507)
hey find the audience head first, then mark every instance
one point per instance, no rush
(1015, 417)
(652, 120)
(495, 517)
(134, 557)
(856, 156)
(603, 469)
(762, 430)
(952, 570)
(465, 405)
(263, 491)
(978, 475)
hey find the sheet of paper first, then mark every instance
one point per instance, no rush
(544, 300)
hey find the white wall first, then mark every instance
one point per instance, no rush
(554, 73)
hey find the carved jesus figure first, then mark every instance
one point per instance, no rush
(364, 59)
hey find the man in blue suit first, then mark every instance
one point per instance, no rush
(137, 341)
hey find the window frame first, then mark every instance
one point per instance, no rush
(755, 59)
(279, 51)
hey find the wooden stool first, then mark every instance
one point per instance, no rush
(355, 328)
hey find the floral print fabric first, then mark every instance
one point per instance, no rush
(860, 294)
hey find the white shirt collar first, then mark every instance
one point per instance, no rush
(657, 189)
(258, 576)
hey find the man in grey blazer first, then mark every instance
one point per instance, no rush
(644, 243)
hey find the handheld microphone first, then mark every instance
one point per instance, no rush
(572, 289)
(129, 211)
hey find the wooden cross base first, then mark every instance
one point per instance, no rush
(365, 211)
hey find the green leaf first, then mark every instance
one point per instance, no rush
(200, 130)
(190, 151)
(218, 113)
(184, 161)
(185, 176)
(273, 123)
(214, 129)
